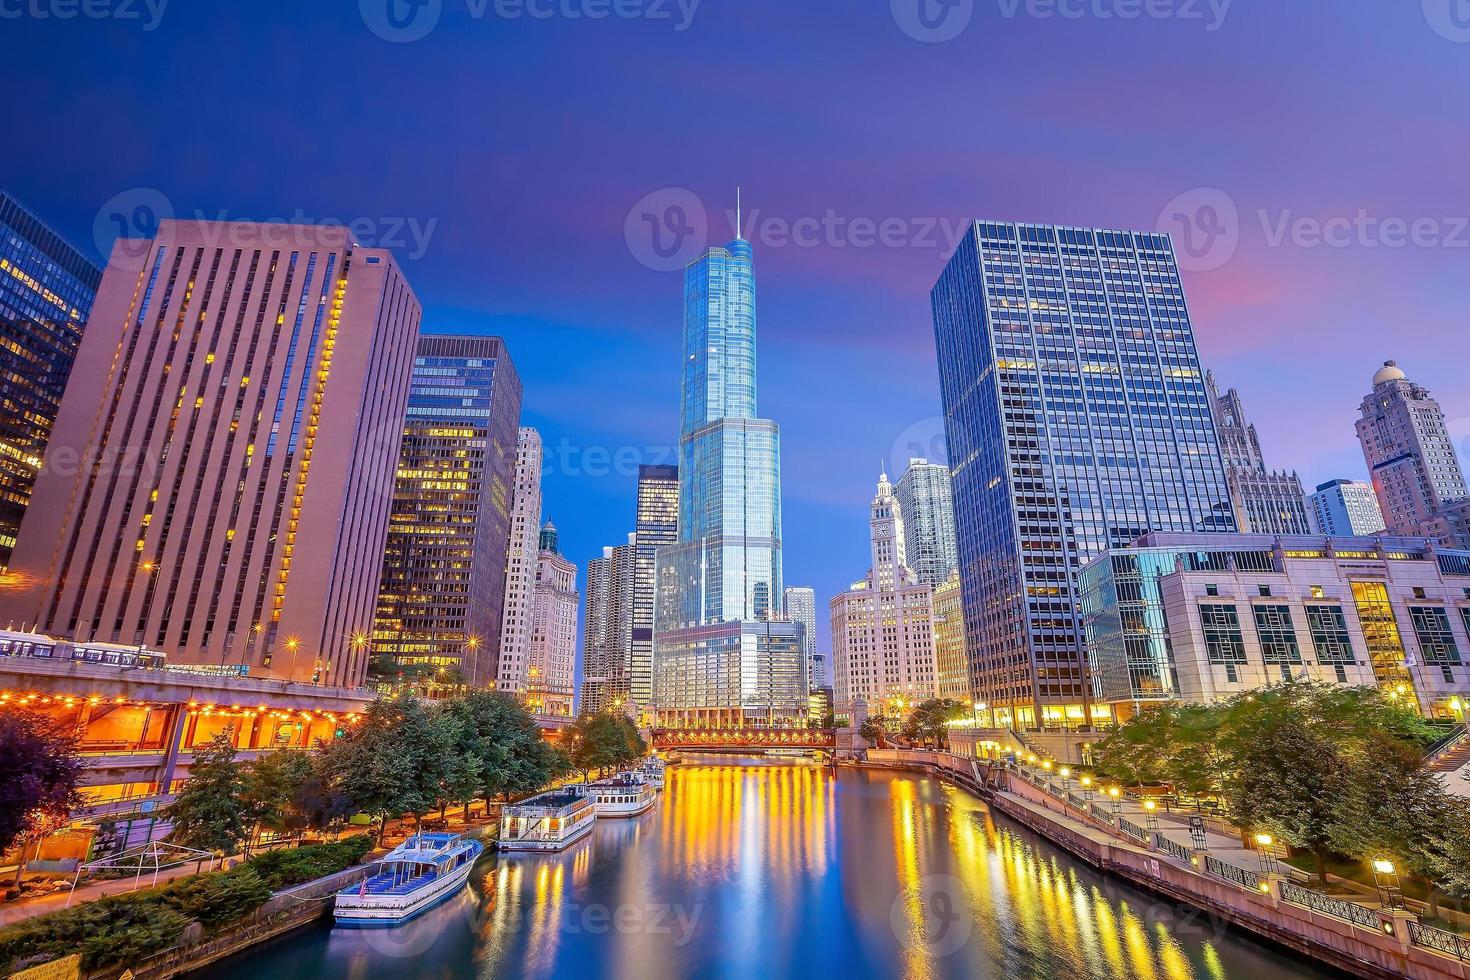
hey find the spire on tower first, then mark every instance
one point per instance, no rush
(739, 236)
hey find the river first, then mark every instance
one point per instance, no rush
(752, 868)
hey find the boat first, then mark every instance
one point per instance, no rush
(652, 771)
(417, 875)
(550, 821)
(625, 795)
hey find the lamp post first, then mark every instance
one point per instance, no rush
(1151, 816)
(1087, 787)
(1116, 795)
(1264, 851)
(1066, 775)
(1386, 880)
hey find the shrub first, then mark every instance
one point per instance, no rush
(107, 931)
(292, 866)
(216, 899)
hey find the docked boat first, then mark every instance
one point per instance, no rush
(652, 771)
(417, 875)
(625, 795)
(549, 821)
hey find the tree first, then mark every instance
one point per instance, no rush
(210, 813)
(497, 729)
(393, 762)
(929, 721)
(39, 771)
(871, 730)
(274, 792)
(464, 767)
(604, 741)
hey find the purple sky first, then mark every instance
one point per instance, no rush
(502, 156)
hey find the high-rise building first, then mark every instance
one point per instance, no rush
(1077, 419)
(799, 605)
(657, 525)
(1265, 501)
(883, 627)
(1345, 508)
(46, 292)
(607, 638)
(444, 567)
(951, 677)
(927, 504)
(720, 654)
(520, 565)
(240, 395)
(550, 686)
(1409, 451)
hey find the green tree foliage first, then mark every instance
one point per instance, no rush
(39, 769)
(604, 741)
(871, 730)
(216, 899)
(274, 792)
(929, 721)
(210, 812)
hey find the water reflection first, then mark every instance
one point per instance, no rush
(763, 869)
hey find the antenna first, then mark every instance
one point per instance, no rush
(738, 229)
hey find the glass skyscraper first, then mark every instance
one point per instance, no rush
(722, 653)
(46, 293)
(658, 525)
(442, 594)
(1077, 420)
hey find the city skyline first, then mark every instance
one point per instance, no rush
(490, 255)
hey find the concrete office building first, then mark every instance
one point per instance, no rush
(550, 684)
(522, 550)
(1345, 508)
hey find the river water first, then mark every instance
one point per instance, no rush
(752, 868)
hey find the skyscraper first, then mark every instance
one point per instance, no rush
(241, 395)
(1077, 419)
(520, 565)
(925, 498)
(46, 293)
(951, 676)
(1265, 501)
(883, 627)
(552, 672)
(1345, 508)
(657, 525)
(607, 638)
(443, 584)
(799, 605)
(1409, 451)
(721, 656)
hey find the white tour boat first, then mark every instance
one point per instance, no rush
(417, 875)
(625, 795)
(549, 821)
(652, 771)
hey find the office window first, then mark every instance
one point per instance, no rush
(1223, 639)
(1330, 636)
(1277, 635)
(1432, 627)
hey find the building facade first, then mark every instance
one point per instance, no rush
(1077, 419)
(722, 656)
(1345, 508)
(951, 677)
(927, 504)
(241, 392)
(522, 550)
(657, 525)
(1409, 451)
(883, 627)
(46, 291)
(1265, 501)
(799, 605)
(1234, 612)
(607, 638)
(444, 566)
(551, 676)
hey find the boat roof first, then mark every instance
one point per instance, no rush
(427, 847)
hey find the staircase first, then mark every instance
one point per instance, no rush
(1449, 754)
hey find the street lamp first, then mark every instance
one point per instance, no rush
(1117, 796)
(1066, 775)
(1087, 787)
(1386, 880)
(1151, 816)
(1264, 844)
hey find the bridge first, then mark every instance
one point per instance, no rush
(756, 740)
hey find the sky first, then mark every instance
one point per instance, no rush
(541, 167)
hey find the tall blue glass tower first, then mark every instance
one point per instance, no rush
(722, 654)
(1077, 420)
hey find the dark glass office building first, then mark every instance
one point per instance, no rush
(46, 292)
(443, 586)
(1077, 420)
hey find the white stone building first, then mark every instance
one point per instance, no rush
(551, 674)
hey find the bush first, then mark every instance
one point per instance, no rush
(107, 931)
(292, 866)
(216, 899)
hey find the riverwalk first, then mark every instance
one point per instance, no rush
(1202, 868)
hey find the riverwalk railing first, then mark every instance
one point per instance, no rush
(1132, 829)
(1172, 847)
(1439, 940)
(1242, 877)
(1358, 915)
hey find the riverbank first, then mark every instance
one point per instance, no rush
(1353, 938)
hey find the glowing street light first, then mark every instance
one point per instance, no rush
(1386, 880)
(1151, 815)
(1265, 852)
